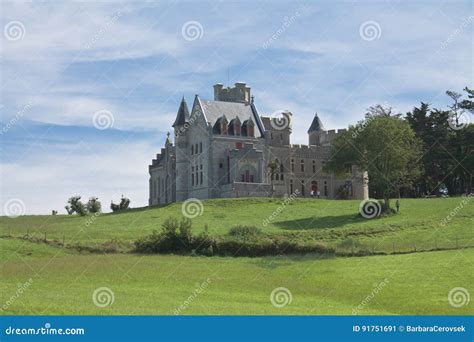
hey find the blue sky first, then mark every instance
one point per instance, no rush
(69, 60)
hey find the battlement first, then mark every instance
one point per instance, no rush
(326, 137)
(239, 93)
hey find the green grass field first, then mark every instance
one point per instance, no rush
(63, 283)
(334, 223)
(63, 280)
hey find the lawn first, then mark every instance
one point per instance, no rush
(63, 282)
(335, 223)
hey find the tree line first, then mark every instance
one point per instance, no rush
(426, 152)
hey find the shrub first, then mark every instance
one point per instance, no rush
(94, 205)
(244, 231)
(76, 206)
(176, 237)
(124, 204)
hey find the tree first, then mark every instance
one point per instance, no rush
(94, 205)
(383, 145)
(272, 167)
(76, 206)
(124, 204)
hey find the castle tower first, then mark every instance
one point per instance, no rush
(180, 126)
(315, 131)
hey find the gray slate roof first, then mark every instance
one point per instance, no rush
(316, 125)
(215, 109)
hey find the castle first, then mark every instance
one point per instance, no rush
(224, 148)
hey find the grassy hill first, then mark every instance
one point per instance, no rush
(63, 280)
(63, 283)
(335, 223)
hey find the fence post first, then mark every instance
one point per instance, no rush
(414, 246)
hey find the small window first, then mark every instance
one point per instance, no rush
(200, 147)
(221, 165)
(242, 178)
(201, 177)
(196, 149)
(238, 145)
(192, 149)
(302, 165)
(281, 176)
(192, 179)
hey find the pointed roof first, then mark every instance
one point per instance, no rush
(316, 125)
(183, 114)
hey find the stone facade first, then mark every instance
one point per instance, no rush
(222, 148)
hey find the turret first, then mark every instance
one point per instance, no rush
(315, 131)
(182, 116)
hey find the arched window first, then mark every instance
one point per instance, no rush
(302, 165)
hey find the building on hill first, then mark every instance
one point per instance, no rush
(222, 148)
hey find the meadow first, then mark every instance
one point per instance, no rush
(425, 260)
(63, 283)
(418, 226)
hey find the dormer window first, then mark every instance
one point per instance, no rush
(248, 128)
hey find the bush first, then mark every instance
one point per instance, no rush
(94, 206)
(244, 231)
(76, 206)
(124, 204)
(176, 237)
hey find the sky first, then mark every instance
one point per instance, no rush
(89, 89)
